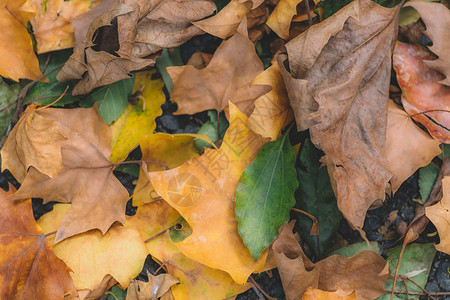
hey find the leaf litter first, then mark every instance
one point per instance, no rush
(213, 209)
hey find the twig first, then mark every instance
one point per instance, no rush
(418, 293)
(309, 14)
(315, 226)
(259, 288)
(141, 161)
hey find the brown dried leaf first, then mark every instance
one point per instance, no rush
(29, 269)
(364, 273)
(228, 77)
(125, 37)
(436, 17)
(339, 89)
(86, 179)
(410, 148)
(281, 17)
(151, 290)
(227, 21)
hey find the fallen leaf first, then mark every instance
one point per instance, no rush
(202, 190)
(29, 268)
(272, 110)
(141, 29)
(364, 273)
(427, 179)
(227, 21)
(91, 255)
(265, 194)
(107, 283)
(8, 95)
(52, 25)
(18, 59)
(98, 198)
(410, 148)
(423, 97)
(339, 89)
(228, 77)
(139, 119)
(171, 150)
(436, 17)
(280, 19)
(197, 281)
(316, 294)
(151, 290)
(439, 214)
(34, 141)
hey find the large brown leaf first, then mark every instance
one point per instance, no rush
(365, 273)
(339, 89)
(124, 37)
(228, 77)
(86, 179)
(436, 17)
(29, 269)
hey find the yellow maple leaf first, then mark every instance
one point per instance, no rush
(91, 255)
(17, 58)
(137, 120)
(202, 190)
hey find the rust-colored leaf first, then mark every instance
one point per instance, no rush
(29, 269)
(423, 97)
(202, 190)
(228, 77)
(86, 179)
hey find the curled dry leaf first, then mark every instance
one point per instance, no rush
(52, 25)
(410, 148)
(436, 17)
(91, 256)
(338, 87)
(17, 58)
(280, 19)
(203, 189)
(365, 273)
(439, 214)
(151, 290)
(227, 21)
(34, 141)
(423, 97)
(141, 28)
(228, 77)
(86, 179)
(29, 269)
(197, 281)
(272, 110)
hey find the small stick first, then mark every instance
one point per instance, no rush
(259, 288)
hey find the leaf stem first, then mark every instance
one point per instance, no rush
(139, 162)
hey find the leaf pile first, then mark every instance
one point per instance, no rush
(299, 122)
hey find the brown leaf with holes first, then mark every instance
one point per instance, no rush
(436, 17)
(125, 37)
(410, 148)
(86, 179)
(365, 273)
(228, 77)
(227, 21)
(29, 269)
(339, 89)
(151, 290)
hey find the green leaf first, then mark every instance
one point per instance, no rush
(354, 249)
(445, 151)
(221, 4)
(416, 264)
(116, 293)
(131, 169)
(330, 7)
(168, 59)
(111, 99)
(427, 178)
(316, 197)
(44, 93)
(265, 194)
(209, 129)
(8, 94)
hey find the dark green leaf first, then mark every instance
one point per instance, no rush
(111, 99)
(116, 293)
(316, 197)
(8, 95)
(221, 4)
(445, 151)
(131, 169)
(416, 264)
(45, 93)
(330, 7)
(265, 194)
(168, 59)
(427, 178)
